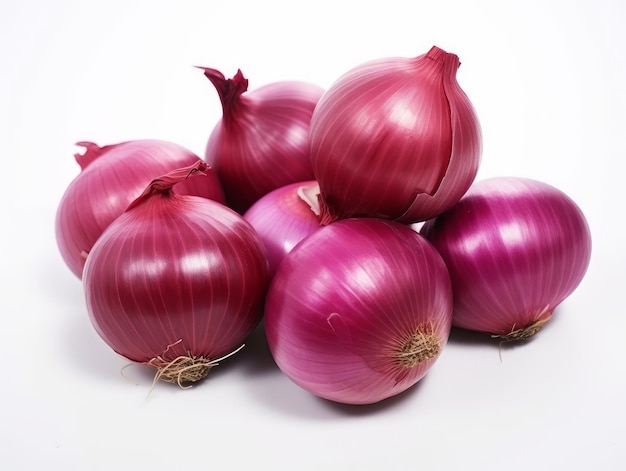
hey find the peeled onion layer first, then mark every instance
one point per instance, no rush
(359, 310)
(284, 217)
(515, 248)
(177, 282)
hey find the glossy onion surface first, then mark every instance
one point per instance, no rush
(282, 218)
(395, 138)
(515, 249)
(176, 275)
(111, 177)
(359, 311)
(262, 140)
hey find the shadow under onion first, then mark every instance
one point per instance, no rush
(469, 338)
(377, 407)
(277, 391)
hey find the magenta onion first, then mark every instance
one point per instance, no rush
(284, 217)
(111, 177)
(515, 249)
(177, 281)
(262, 141)
(395, 138)
(359, 310)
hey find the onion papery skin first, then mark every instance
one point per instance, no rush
(176, 276)
(262, 140)
(346, 302)
(395, 138)
(515, 248)
(111, 177)
(282, 218)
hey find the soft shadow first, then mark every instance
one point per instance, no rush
(76, 337)
(59, 283)
(355, 410)
(255, 358)
(88, 352)
(288, 399)
(469, 338)
(275, 390)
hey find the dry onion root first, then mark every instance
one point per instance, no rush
(423, 345)
(184, 369)
(523, 333)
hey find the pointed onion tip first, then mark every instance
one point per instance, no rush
(228, 90)
(164, 183)
(91, 152)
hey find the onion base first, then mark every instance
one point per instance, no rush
(182, 370)
(185, 369)
(423, 345)
(523, 333)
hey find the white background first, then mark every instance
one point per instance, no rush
(548, 81)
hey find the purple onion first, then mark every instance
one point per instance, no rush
(359, 311)
(515, 249)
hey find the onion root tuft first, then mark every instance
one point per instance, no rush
(185, 369)
(524, 333)
(423, 345)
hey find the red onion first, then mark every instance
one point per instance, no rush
(359, 310)
(284, 217)
(515, 249)
(177, 281)
(395, 138)
(262, 141)
(111, 177)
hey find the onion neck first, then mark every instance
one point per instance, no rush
(163, 185)
(229, 90)
(450, 61)
(92, 152)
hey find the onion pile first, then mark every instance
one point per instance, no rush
(304, 213)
